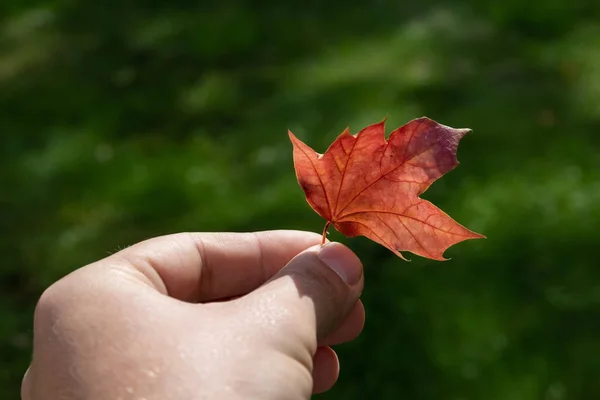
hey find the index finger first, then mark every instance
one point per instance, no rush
(201, 267)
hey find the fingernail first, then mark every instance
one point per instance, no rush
(343, 261)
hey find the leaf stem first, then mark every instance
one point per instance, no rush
(325, 232)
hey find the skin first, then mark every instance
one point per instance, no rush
(199, 316)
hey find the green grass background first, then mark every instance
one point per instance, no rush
(124, 120)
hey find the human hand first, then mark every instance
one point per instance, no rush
(199, 316)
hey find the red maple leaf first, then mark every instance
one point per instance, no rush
(367, 185)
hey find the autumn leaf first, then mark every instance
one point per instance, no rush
(367, 185)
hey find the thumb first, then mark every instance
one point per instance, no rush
(309, 298)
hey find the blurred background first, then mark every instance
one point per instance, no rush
(124, 120)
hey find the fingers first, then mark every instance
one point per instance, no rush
(208, 266)
(26, 385)
(308, 300)
(349, 329)
(326, 369)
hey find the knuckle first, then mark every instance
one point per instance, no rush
(62, 299)
(50, 301)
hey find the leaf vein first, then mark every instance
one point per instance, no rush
(337, 200)
(381, 177)
(320, 181)
(399, 216)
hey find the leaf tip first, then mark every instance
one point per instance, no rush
(397, 252)
(475, 235)
(461, 132)
(295, 141)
